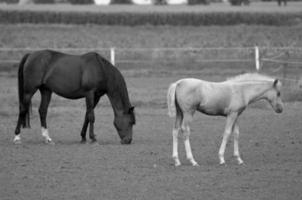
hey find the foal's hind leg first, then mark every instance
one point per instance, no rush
(45, 99)
(186, 134)
(176, 130)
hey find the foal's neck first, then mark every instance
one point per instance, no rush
(256, 91)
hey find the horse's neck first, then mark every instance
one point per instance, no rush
(255, 91)
(118, 96)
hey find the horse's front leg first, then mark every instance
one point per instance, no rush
(84, 129)
(91, 102)
(45, 99)
(91, 119)
(236, 144)
(231, 119)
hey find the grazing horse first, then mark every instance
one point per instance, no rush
(228, 98)
(88, 76)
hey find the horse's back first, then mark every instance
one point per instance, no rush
(70, 76)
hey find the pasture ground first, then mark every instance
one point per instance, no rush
(271, 144)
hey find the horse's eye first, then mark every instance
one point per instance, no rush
(278, 94)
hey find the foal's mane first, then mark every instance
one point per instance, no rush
(250, 77)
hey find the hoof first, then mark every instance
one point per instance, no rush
(222, 164)
(17, 139)
(83, 141)
(177, 164)
(49, 141)
(241, 163)
(94, 141)
(17, 142)
(195, 165)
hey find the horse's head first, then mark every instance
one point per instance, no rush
(123, 124)
(274, 96)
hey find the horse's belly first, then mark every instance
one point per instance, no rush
(74, 95)
(69, 92)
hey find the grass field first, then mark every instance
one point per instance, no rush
(271, 144)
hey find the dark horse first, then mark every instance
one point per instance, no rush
(88, 76)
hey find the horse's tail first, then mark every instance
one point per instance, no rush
(25, 121)
(171, 99)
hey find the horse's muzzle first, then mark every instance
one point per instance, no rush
(126, 141)
(279, 110)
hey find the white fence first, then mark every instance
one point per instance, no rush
(259, 56)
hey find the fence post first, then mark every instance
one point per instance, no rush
(257, 60)
(112, 55)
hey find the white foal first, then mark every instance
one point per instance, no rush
(228, 98)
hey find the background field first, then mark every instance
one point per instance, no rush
(131, 15)
(271, 144)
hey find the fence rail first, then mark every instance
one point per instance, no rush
(114, 53)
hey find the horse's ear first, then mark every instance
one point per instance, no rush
(131, 109)
(275, 82)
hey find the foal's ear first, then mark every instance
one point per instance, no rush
(276, 82)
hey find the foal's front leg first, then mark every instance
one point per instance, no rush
(236, 144)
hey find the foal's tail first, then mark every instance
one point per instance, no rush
(22, 105)
(171, 100)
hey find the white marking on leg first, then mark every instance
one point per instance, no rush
(175, 147)
(45, 134)
(17, 139)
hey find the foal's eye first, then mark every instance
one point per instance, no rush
(278, 94)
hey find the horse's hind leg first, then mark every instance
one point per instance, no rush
(186, 134)
(23, 118)
(45, 99)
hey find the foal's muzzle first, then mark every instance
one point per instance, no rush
(279, 108)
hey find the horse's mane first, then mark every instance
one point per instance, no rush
(250, 77)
